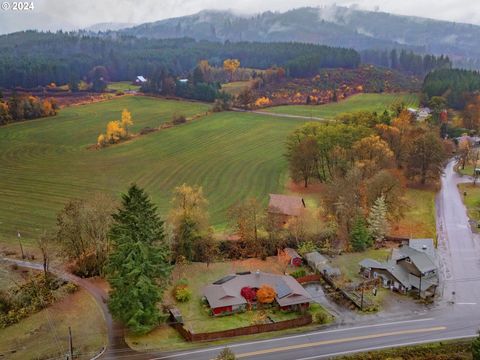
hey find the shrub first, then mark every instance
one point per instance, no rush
(307, 247)
(183, 294)
(298, 273)
(320, 317)
(179, 119)
(476, 348)
(70, 288)
(119, 93)
(226, 354)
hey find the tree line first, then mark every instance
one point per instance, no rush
(406, 61)
(455, 85)
(29, 59)
(25, 107)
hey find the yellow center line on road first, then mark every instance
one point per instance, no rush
(338, 341)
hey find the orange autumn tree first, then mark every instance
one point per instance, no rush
(116, 130)
(266, 294)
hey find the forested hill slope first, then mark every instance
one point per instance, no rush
(333, 25)
(30, 58)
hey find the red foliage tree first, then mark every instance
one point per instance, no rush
(248, 293)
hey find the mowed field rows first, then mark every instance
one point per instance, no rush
(359, 102)
(46, 162)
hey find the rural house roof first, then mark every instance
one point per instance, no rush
(226, 291)
(286, 204)
(421, 253)
(420, 259)
(141, 78)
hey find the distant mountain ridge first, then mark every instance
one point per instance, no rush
(332, 25)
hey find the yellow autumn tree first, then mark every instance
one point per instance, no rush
(126, 120)
(230, 66)
(115, 131)
(101, 140)
(372, 153)
(266, 294)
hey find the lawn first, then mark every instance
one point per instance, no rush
(348, 262)
(45, 334)
(122, 86)
(419, 217)
(359, 102)
(46, 162)
(472, 200)
(195, 314)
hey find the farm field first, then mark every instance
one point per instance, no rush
(46, 162)
(122, 86)
(359, 102)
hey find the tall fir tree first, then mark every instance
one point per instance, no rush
(377, 219)
(138, 268)
(360, 238)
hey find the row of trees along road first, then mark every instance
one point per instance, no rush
(365, 160)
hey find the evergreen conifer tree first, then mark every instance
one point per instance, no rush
(138, 267)
(377, 219)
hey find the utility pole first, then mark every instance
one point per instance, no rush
(20, 242)
(475, 173)
(361, 300)
(70, 343)
(420, 286)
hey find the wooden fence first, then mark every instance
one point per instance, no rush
(247, 330)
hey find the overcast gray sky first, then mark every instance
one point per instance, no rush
(71, 14)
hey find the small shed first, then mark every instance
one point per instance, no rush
(295, 259)
(175, 315)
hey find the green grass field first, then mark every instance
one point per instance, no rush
(360, 102)
(122, 86)
(472, 200)
(45, 162)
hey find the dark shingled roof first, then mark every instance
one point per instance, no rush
(289, 291)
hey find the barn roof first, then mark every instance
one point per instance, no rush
(286, 204)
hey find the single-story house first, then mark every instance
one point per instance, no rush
(285, 206)
(411, 267)
(224, 295)
(140, 79)
(294, 258)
